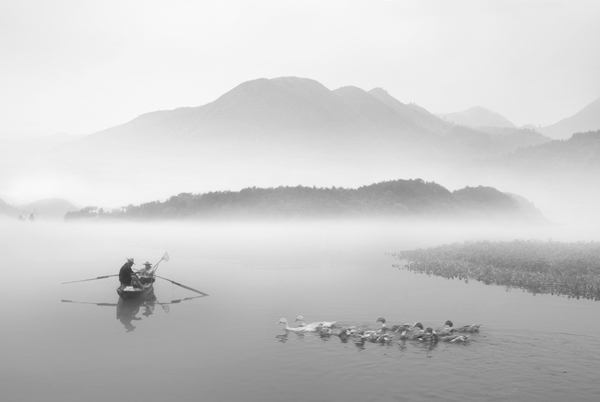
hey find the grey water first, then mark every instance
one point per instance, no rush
(229, 347)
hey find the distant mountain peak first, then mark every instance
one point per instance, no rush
(478, 116)
(587, 119)
(350, 88)
(379, 91)
(384, 96)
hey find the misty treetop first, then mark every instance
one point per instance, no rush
(581, 152)
(398, 198)
(7, 209)
(569, 269)
(51, 208)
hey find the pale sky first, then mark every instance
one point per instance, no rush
(82, 66)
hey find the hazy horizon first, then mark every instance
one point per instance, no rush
(422, 161)
(80, 68)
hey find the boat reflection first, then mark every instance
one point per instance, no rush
(128, 310)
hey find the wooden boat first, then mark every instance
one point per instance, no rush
(147, 278)
(131, 293)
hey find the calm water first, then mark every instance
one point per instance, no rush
(228, 346)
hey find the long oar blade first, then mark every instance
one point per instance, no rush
(187, 298)
(183, 286)
(96, 304)
(92, 279)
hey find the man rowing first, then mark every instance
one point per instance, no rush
(127, 277)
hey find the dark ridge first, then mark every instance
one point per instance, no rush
(398, 198)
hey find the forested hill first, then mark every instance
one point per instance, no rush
(9, 210)
(399, 198)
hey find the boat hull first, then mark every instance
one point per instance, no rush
(129, 293)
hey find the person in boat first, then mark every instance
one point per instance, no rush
(127, 277)
(146, 270)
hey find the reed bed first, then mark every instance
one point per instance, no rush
(567, 269)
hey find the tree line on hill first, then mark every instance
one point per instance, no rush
(398, 198)
(46, 209)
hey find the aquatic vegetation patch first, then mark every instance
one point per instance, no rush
(567, 269)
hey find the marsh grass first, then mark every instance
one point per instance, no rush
(567, 269)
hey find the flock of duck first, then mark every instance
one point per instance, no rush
(447, 333)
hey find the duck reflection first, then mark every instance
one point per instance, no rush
(282, 338)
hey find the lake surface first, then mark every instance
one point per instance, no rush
(228, 346)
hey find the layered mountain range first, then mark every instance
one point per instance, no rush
(273, 132)
(587, 119)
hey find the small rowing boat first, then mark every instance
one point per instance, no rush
(146, 280)
(130, 292)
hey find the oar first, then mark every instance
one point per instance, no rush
(187, 298)
(97, 304)
(183, 286)
(93, 279)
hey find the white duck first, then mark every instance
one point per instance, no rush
(455, 338)
(296, 329)
(313, 326)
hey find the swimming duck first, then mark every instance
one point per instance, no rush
(429, 335)
(416, 328)
(325, 324)
(468, 328)
(446, 329)
(383, 326)
(385, 338)
(370, 336)
(296, 329)
(352, 331)
(401, 327)
(344, 334)
(414, 332)
(394, 328)
(455, 338)
(324, 331)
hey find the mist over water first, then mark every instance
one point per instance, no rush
(227, 346)
(217, 131)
